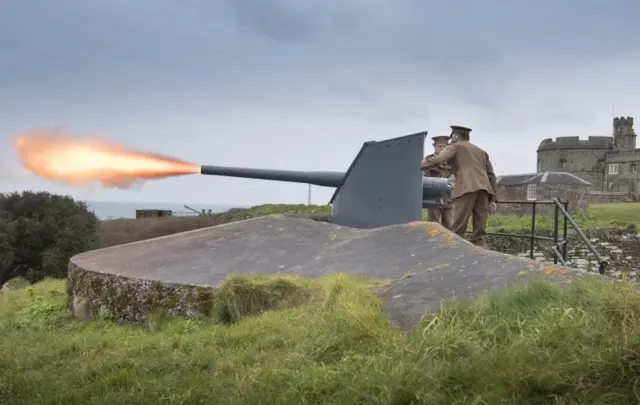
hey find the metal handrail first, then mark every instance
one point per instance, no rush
(602, 263)
(560, 207)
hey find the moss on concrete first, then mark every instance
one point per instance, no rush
(92, 294)
(101, 295)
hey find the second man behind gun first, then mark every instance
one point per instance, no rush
(444, 214)
(474, 191)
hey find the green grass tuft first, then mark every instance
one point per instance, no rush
(326, 341)
(241, 296)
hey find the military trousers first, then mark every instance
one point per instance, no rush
(443, 216)
(473, 205)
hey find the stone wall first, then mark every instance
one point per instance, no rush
(621, 247)
(603, 197)
(590, 158)
(624, 134)
(577, 195)
(583, 158)
(627, 178)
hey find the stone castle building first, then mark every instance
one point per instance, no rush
(609, 163)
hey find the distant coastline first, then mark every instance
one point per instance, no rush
(106, 210)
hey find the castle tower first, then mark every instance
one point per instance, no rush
(624, 136)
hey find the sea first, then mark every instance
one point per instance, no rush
(124, 209)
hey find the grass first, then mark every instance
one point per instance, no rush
(275, 340)
(119, 231)
(619, 215)
(536, 345)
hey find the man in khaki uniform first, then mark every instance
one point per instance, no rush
(475, 186)
(442, 215)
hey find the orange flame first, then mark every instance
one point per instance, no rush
(55, 155)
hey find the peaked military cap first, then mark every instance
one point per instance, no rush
(440, 138)
(464, 131)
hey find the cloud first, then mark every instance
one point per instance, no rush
(300, 85)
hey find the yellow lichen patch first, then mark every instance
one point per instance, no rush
(442, 233)
(524, 273)
(418, 224)
(436, 231)
(408, 274)
(439, 266)
(554, 271)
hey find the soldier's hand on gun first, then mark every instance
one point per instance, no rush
(493, 207)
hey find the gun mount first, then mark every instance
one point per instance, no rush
(383, 186)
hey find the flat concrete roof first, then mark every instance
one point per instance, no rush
(427, 262)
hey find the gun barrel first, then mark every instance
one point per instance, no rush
(317, 178)
(432, 187)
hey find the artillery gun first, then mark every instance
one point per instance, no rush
(383, 185)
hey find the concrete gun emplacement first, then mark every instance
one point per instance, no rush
(383, 186)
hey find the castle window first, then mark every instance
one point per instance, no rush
(613, 168)
(634, 168)
(531, 192)
(562, 163)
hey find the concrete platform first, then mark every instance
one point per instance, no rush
(172, 273)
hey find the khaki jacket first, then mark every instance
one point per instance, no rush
(441, 170)
(470, 165)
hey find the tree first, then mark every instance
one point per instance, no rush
(40, 232)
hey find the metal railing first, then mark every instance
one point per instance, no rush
(560, 245)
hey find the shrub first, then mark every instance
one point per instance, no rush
(40, 231)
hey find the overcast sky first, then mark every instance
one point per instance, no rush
(302, 84)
